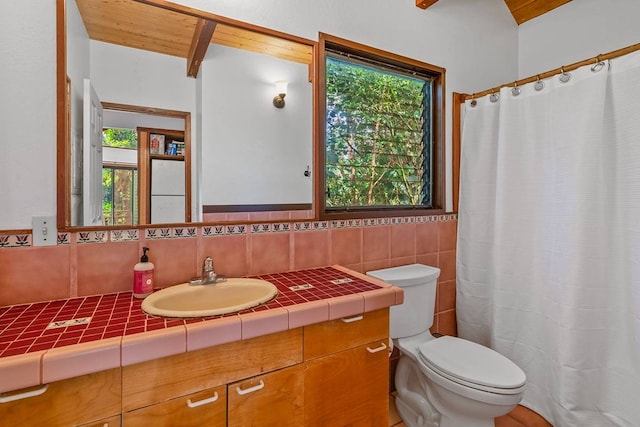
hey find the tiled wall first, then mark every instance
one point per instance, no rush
(87, 263)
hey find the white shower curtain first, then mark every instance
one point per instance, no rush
(549, 240)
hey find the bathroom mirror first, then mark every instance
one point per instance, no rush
(200, 82)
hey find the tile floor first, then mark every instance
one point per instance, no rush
(519, 417)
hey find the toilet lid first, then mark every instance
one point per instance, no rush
(471, 363)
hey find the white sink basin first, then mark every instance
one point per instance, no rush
(187, 300)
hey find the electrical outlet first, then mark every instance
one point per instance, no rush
(44, 231)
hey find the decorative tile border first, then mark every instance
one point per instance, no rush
(15, 240)
(346, 223)
(224, 230)
(64, 238)
(102, 236)
(158, 233)
(271, 228)
(213, 230)
(125, 235)
(181, 232)
(426, 219)
(311, 226)
(403, 220)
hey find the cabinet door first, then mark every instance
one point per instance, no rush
(206, 408)
(274, 399)
(70, 402)
(349, 388)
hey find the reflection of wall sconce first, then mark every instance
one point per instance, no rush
(281, 90)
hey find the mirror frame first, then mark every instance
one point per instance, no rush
(63, 115)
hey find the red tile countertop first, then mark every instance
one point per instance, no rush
(119, 333)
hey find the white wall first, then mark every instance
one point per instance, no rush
(576, 31)
(132, 76)
(128, 120)
(27, 111)
(120, 156)
(78, 65)
(253, 152)
(475, 40)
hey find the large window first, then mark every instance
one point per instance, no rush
(382, 153)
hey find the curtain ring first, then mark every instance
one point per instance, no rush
(494, 97)
(599, 65)
(515, 91)
(565, 77)
(473, 102)
(539, 84)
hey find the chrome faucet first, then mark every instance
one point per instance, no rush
(208, 274)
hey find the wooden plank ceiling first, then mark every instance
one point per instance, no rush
(522, 10)
(141, 26)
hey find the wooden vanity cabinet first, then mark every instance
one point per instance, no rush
(75, 401)
(334, 373)
(346, 371)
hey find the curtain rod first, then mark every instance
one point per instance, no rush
(562, 69)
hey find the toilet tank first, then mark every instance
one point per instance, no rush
(418, 282)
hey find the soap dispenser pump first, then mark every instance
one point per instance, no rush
(143, 276)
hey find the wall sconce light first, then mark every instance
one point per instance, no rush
(281, 90)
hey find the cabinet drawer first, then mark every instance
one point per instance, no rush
(205, 408)
(329, 337)
(70, 402)
(162, 379)
(274, 399)
(114, 421)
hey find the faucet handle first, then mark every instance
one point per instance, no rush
(208, 264)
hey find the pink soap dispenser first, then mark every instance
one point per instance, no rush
(143, 276)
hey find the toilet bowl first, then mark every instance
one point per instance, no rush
(446, 381)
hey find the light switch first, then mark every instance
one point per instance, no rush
(44, 231)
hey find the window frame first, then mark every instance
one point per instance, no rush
(437, 128)
(135, 188)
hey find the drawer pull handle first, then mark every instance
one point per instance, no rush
(191, 404)
(377, 349)
(250, 389)
(352, 319)
(25, 395)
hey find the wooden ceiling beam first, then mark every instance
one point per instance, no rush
(524, 10)
(199, 44)
(423, 4)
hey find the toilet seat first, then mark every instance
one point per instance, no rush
(472, 365)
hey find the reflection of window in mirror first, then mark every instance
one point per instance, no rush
(120, 176)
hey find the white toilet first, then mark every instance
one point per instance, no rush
(446, 381)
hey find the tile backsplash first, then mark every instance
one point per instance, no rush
(99, 262)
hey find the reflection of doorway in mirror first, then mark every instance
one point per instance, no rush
(127, 139)
(76, 177)
(91, 156)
